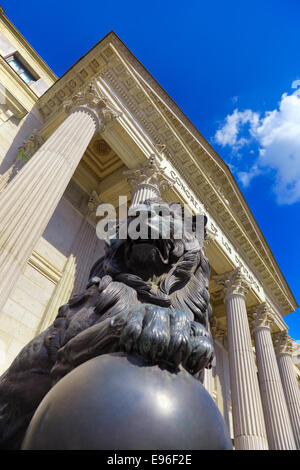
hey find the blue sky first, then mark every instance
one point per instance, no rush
(232, 67)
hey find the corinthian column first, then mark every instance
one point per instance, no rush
(85, 245)
(147, 181)
(248, 419)
(283, 347)
(28, 202)
(279, 431)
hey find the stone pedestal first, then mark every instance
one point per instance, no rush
(248, 418)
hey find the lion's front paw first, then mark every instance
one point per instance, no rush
(157, 334)
(147, 332)
(162, 335)
(180, 340)
(132, 329)
(202, 349)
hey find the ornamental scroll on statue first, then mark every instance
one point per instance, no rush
(127, 351)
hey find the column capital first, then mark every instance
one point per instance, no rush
(283, 343)
(91, 100)
(217, 329)
(261, 316)
(150, 175)
(93, 202)
(233, 283)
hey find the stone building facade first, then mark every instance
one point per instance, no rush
(64, 147)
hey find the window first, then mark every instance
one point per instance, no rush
(20, 68)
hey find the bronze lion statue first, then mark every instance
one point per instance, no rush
(145, 297)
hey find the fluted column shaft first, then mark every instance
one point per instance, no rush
(279, 430)
(142, 193)
(219, 332)
(84, 251)
(28, 202)
(248, 418)
(289, 382)
(249, 427)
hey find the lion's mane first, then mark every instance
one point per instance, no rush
(184, 286)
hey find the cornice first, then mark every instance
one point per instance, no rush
(194, 159)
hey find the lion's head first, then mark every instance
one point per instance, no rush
(162, 258)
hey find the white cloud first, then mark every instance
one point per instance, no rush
(279, 138)
(296, 83)
(228, 133)
(246, 176)
(277, 135)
